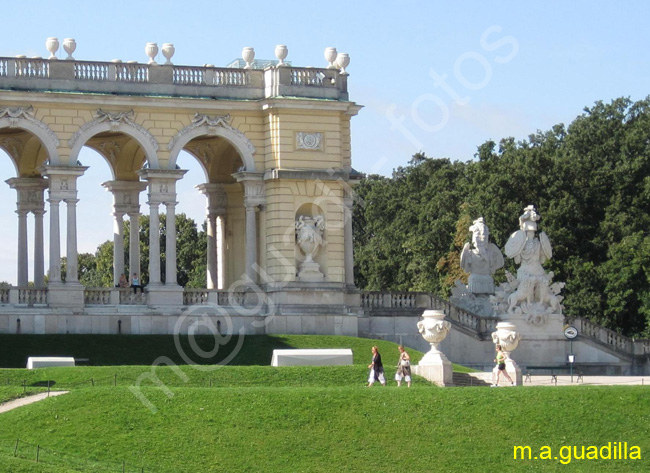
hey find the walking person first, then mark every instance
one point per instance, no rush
(500, 360)
(403, 367)
(376, 369)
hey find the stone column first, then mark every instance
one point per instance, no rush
(212, 256)
(134, 243)
(251, 242)
(22, 248)
(347, 241)
(162, 190)
(254, 197)
(216, 207)
(221, 251)
(154, 244)
(30, 199)
(63, 187)
(55, 241)
(39, 257)
(118, 247)
(72, 267)
(126, 201)
(170, 243)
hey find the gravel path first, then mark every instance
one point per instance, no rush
(23, 401)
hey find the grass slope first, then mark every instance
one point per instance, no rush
(145, 349)
(211, 418)
(337, 428)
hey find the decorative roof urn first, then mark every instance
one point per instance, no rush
(248, 55)
(330, 56)
(151, 49)
(69, 46)
(168, 51)
(281, 52)
(52, 45)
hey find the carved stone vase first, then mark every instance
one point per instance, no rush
(330, 57)
(343, 61)
(52, 45)
(168, 51)
(508, 337)
(281, 52)
(69, 46)
(151, 49)
(434, 365)
(433, 328)
(248, 55)
(309, 238)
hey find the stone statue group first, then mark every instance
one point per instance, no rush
(531, 293)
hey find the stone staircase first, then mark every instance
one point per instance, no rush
(480, 328)
(467, 380)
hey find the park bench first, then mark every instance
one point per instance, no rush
(555, 370)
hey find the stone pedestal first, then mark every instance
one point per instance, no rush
(68, 294)
(159, 295)
(310, 272)
(435, 367)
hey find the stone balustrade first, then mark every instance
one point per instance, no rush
(36, 74)
(193, 296)
(97, 296)
(4, 295)
(614, 340)
(31, 296)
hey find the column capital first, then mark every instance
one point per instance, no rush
(162, 183)
(254, 188)
(217, 198)
(63, 180)
(126, 195)
(30, 192)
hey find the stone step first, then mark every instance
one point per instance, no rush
(468, 380)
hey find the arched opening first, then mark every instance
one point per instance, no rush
(22, 153)
(222, 217)
(109, 209)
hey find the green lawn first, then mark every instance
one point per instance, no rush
(335, 428)
(242, 417)
(145, 349)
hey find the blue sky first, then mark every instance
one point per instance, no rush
(438, 77)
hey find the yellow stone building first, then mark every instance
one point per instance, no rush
(274, 145)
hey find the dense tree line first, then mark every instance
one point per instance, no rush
(590, 181)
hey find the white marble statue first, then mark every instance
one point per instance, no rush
(532, 292)
(480, 259)
(309, 238)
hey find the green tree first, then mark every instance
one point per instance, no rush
(590, 181)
